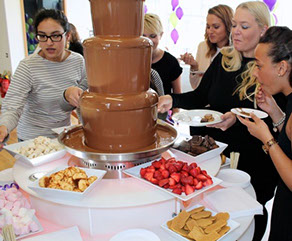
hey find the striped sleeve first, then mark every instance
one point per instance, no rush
(16, 96)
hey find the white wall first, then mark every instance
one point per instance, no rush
(4, 46)
(78, 13)
(11, 38)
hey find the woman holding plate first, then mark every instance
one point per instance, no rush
(217, 34)
(227, 84)
(274, 73)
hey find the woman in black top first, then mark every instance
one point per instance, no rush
(274, 73)
(163, 62)
(228, 84)
(74, 40)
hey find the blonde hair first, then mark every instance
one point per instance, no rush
(225, 13)
(231, 59)
(152, 23)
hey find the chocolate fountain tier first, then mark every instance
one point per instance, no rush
(117, 17)
(119, 123)
(115, 163)
(117, 65)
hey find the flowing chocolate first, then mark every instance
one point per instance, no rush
(119, 111)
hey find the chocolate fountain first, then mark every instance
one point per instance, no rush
(119, 111)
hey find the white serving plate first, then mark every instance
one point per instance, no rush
(208, 154)
(64, 194)
(135, 172)
(260, 114)
(34, 161)
(71, 234)
(232, 224)
(34, 218)
(193, 117)
(234, 178)
(135, 235)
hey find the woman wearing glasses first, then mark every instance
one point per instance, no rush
(32, 101)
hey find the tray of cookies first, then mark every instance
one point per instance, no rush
(200, 223)
(67, 182)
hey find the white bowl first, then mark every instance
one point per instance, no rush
(33, 161)
(234, 178)
(64, 194)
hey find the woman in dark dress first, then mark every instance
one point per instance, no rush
(74, 40)
(274, 73)
(163, 62)
(228, 84)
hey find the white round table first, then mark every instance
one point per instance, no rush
(116, 205)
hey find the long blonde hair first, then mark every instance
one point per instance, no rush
(231, 59)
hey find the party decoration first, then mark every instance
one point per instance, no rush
(30, 21)
(179, 13)
(174, 4)
(31, 35)
(173, 19)
(145, 9)
(270, 3)
(175, 16)
(174, 35)
(26, 27)
(31, 47)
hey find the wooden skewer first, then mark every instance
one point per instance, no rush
(8, 233)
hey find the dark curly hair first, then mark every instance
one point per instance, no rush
(54, 14)
(280, 39)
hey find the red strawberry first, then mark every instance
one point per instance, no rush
(185, 167)
(142, 172)
(195, 181)
(178, 165)
(199, 185)
(156, 164)
(189, 189)
(202, 177)
(175, 176)
(171, 181)
(184, 173)
(151, 169)
(194, 172)
(193, 165)
(190, 180)
(172, 168)
(154, 181)
(148, 176)
(183, 188)
(208, 182)
(163, 182)
(165, 173)
(162, 166)
(157, 173)
(177, 191)
(166, 186)
(198, 169)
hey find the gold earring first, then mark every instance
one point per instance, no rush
(279, 75)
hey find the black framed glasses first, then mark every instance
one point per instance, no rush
(53, 37)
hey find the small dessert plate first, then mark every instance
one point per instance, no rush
(234, 178)
(245, 112)
(194, 117)
(135, 235)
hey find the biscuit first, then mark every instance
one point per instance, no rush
(216, 226)
(202, 214)
(204, 222)
(196, 210)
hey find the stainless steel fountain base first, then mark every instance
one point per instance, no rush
(116, 163)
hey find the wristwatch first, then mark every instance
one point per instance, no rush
(268, 145)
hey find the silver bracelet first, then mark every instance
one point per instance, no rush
(280, 122)
(193, 72)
